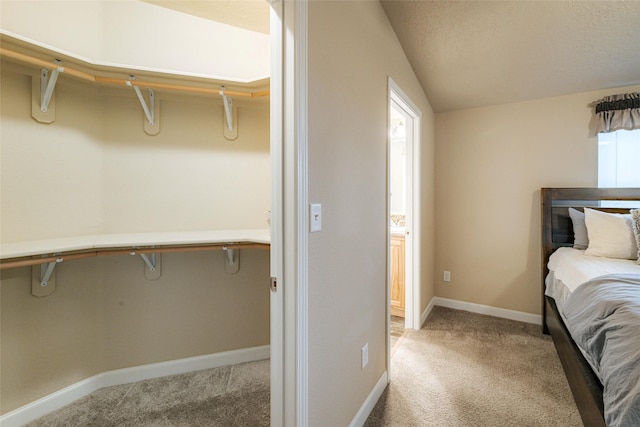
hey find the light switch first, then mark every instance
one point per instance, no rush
(315, 217)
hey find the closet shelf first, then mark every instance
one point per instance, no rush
(66, 70)
(37, 252)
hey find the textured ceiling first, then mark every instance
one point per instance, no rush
(477, 53)
(248, 14)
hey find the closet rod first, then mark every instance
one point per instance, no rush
(111, 80)
(46, 64)
(45, 260)
(199, 248)
(168, 86)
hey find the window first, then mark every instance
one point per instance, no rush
(619, 159)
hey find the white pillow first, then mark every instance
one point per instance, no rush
(580, 239)
(635, 217)
(610, 235)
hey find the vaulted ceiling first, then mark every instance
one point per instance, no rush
(477, 53)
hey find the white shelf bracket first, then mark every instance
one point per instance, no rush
(152, 265)
(43, 278)
(231, 260)
(47, 85)
(149, 111)
(45, 273)
(227, 101)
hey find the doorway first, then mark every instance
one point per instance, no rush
(403, 208)
(399, 135)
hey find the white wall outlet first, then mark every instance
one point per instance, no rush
(365, 355)
(447, 276)
(315, 217)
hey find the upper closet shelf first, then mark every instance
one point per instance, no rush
(52, 65)
(60, 66)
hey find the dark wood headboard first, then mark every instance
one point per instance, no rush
(557, 229)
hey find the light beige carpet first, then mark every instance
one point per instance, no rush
(461, 369)
(465, 369)
(236, 395)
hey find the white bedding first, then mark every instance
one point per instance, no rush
(569, 268)
(572, 267)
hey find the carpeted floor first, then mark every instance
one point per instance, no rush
(465, 369)
(235, 395)
(460, 369)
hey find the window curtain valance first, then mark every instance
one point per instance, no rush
(617, 112)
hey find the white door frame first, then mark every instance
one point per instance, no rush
(289, 214)
(276, 257)
(399, 100)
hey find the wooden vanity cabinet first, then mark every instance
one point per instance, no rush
(397, 275)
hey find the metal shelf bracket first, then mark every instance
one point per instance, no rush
(231, 260)
(43, 278)
(149, 111)
(45, 274)
(152, 265)
(227, 101)
(229, 117)
(47, 85)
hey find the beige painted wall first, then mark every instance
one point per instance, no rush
(53, 342)
(195, 308)
(188, 177)
(490, 165)
(105, 315)
(348, 112)
(94, 170)
(50, 174)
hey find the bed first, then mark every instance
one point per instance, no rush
(558, 239)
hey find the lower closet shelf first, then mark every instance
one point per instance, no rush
(36, 252)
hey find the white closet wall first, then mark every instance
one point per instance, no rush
(138, 35)
(70, 26)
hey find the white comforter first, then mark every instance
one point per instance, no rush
(573, 267)
(603, 317)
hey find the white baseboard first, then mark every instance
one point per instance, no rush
(370, 401)
(67, 395)
(426, 312)
(521, 316)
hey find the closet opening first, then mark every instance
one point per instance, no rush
(141, 210)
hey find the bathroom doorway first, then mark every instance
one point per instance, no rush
(403, 208)
(399, 232)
